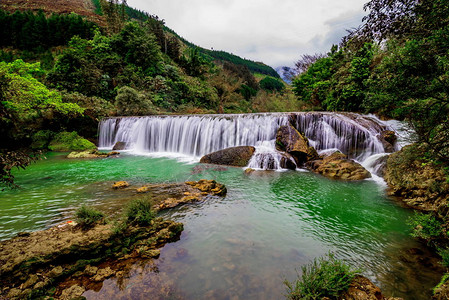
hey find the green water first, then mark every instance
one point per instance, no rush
(242, 246)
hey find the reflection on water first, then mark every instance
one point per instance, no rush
(242, 246)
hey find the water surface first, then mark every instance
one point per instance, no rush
(242, 246)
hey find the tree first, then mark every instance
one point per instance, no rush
(130, 102)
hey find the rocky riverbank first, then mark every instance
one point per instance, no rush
(66, 260)
(424, 186)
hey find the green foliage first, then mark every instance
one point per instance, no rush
(70, 141)
(324, 277)
(87, 217)
(130, 102)
(139, 212)
(443, 281)
(444, 253)
(271, 84)
(10, 160)
(41, 139)
(425, 226)
(34, 31)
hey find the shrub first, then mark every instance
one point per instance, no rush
(425, 226)
(87, 217)
(444, 253)
(324, 277)
(139, 212)
(70, 141)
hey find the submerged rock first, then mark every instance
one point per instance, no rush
(91, 154)
(361, 288)
(234, 156)
(338, 166)
(289, 140)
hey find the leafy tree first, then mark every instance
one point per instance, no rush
(130, 102)
(271, 84)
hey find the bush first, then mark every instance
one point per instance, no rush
(139, 212)
(70, 141)
(41, 139)
(425, 226)
(324, 277)
(87, 217)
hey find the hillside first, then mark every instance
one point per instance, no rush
(84, 8)
(89, 9)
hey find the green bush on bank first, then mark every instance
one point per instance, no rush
(139, 212)
(425, 226)
(87, 217)
(70, 141)
(324, 277)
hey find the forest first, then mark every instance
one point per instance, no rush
(396, 65)
(64, 71)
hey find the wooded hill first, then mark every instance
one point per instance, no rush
(64, 71)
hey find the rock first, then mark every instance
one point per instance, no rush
(55, 272)
(234, 156)
(102, 274)
(362, 288)
(209, 186)
(91, 154)
(90, 270)
(31, 281)
(40, 285)
(337, 166)
(389, 136)
(419, 183)
(289, 140)
(14, 293)
(119, 146)
(120, 185)
(151, 253)
(72, 292)
(249, 171)
(143, 189)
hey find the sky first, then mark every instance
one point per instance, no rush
(276, 32)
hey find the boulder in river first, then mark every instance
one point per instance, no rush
(289, 140)
(234, 156)
(338, 166)
(119, 146)
(388, 139)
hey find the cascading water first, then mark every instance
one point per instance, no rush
(353, 134)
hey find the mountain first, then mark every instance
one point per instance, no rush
(286, 73)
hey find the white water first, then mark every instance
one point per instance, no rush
(195, 136)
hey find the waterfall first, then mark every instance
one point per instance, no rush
(196, 135)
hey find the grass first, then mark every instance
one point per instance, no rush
(324, 277)
(87, 217)
(139, 212)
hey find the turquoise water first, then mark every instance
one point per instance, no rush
(242, 246)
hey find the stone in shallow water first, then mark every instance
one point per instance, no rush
(234, 156)
(120, 185)
(337, 166)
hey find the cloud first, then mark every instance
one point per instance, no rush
(272, 31)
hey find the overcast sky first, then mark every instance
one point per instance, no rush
(276, 32)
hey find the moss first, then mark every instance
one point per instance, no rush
(70, 141)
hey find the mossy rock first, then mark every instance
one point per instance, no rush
(70, 141)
